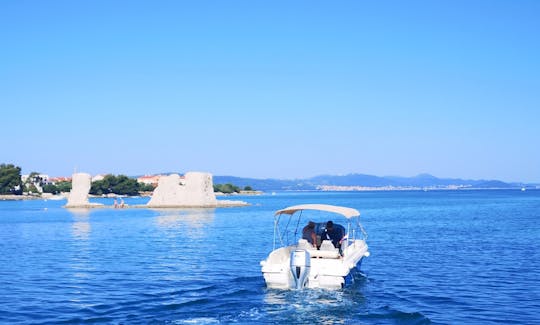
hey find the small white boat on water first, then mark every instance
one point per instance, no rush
(295, 263)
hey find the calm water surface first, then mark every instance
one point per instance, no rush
(447, 257)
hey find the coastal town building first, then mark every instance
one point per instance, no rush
(54, 180)
(35, 181)
(153, 179)
(98, 177)
(43, 178)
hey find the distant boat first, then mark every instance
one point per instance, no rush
(523, 189)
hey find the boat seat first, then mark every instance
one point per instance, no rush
(303, 244)
(327, 245)
(327, 251)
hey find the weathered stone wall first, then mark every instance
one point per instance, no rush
(80, 187)
(195, 190)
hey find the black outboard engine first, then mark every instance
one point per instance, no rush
(300, 267)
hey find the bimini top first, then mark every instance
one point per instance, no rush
(346, 212)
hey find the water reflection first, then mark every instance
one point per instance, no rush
(79, 263)
(191, 222)
(80, 229)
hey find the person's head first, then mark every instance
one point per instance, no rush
(311, 225)
(329, 225)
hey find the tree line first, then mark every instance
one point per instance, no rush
(11, 183)
(230, 188)
(10, 179)
(121, 185)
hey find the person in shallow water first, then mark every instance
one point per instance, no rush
(308, 233)
(333, 234)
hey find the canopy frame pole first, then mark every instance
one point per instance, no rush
(297, 223)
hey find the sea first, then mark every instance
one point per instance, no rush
(437, 257)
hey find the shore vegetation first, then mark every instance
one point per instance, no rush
(230, 188)
(226, 188)
(11, 184)
(10, 179)
(57, 188)
(120, 185)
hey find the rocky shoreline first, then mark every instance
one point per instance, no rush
(218, 204)
(11, 197)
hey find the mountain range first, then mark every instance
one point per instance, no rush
(362, 180)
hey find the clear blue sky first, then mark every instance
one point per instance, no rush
(280, 89)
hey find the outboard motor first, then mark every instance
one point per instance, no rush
(300, 267)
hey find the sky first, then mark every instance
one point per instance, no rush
(272, 89)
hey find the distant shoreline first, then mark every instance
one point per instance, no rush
(240, 193)
(11, 197)
(336, 188)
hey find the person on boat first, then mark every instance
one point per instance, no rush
(333, 234)
(308, 233)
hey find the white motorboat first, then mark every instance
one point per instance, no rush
(294, 263)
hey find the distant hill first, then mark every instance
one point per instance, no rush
(419, 181)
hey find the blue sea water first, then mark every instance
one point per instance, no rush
(441, 257)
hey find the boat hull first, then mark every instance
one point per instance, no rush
(326, 271)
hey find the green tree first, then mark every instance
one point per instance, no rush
(121, 185)
(125, 186)
(50, 188)
(63, 186)
(248, 188)
(146, 187)
(100, 187)
(57, 188)
(226, 188)
(103, 186)
(30, 188)
(10, 179)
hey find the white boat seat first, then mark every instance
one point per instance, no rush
(326, 251)
(327, 245)
(324, 254)
(304, 244)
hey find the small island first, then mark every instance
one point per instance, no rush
(193, 190)
(14, 186)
